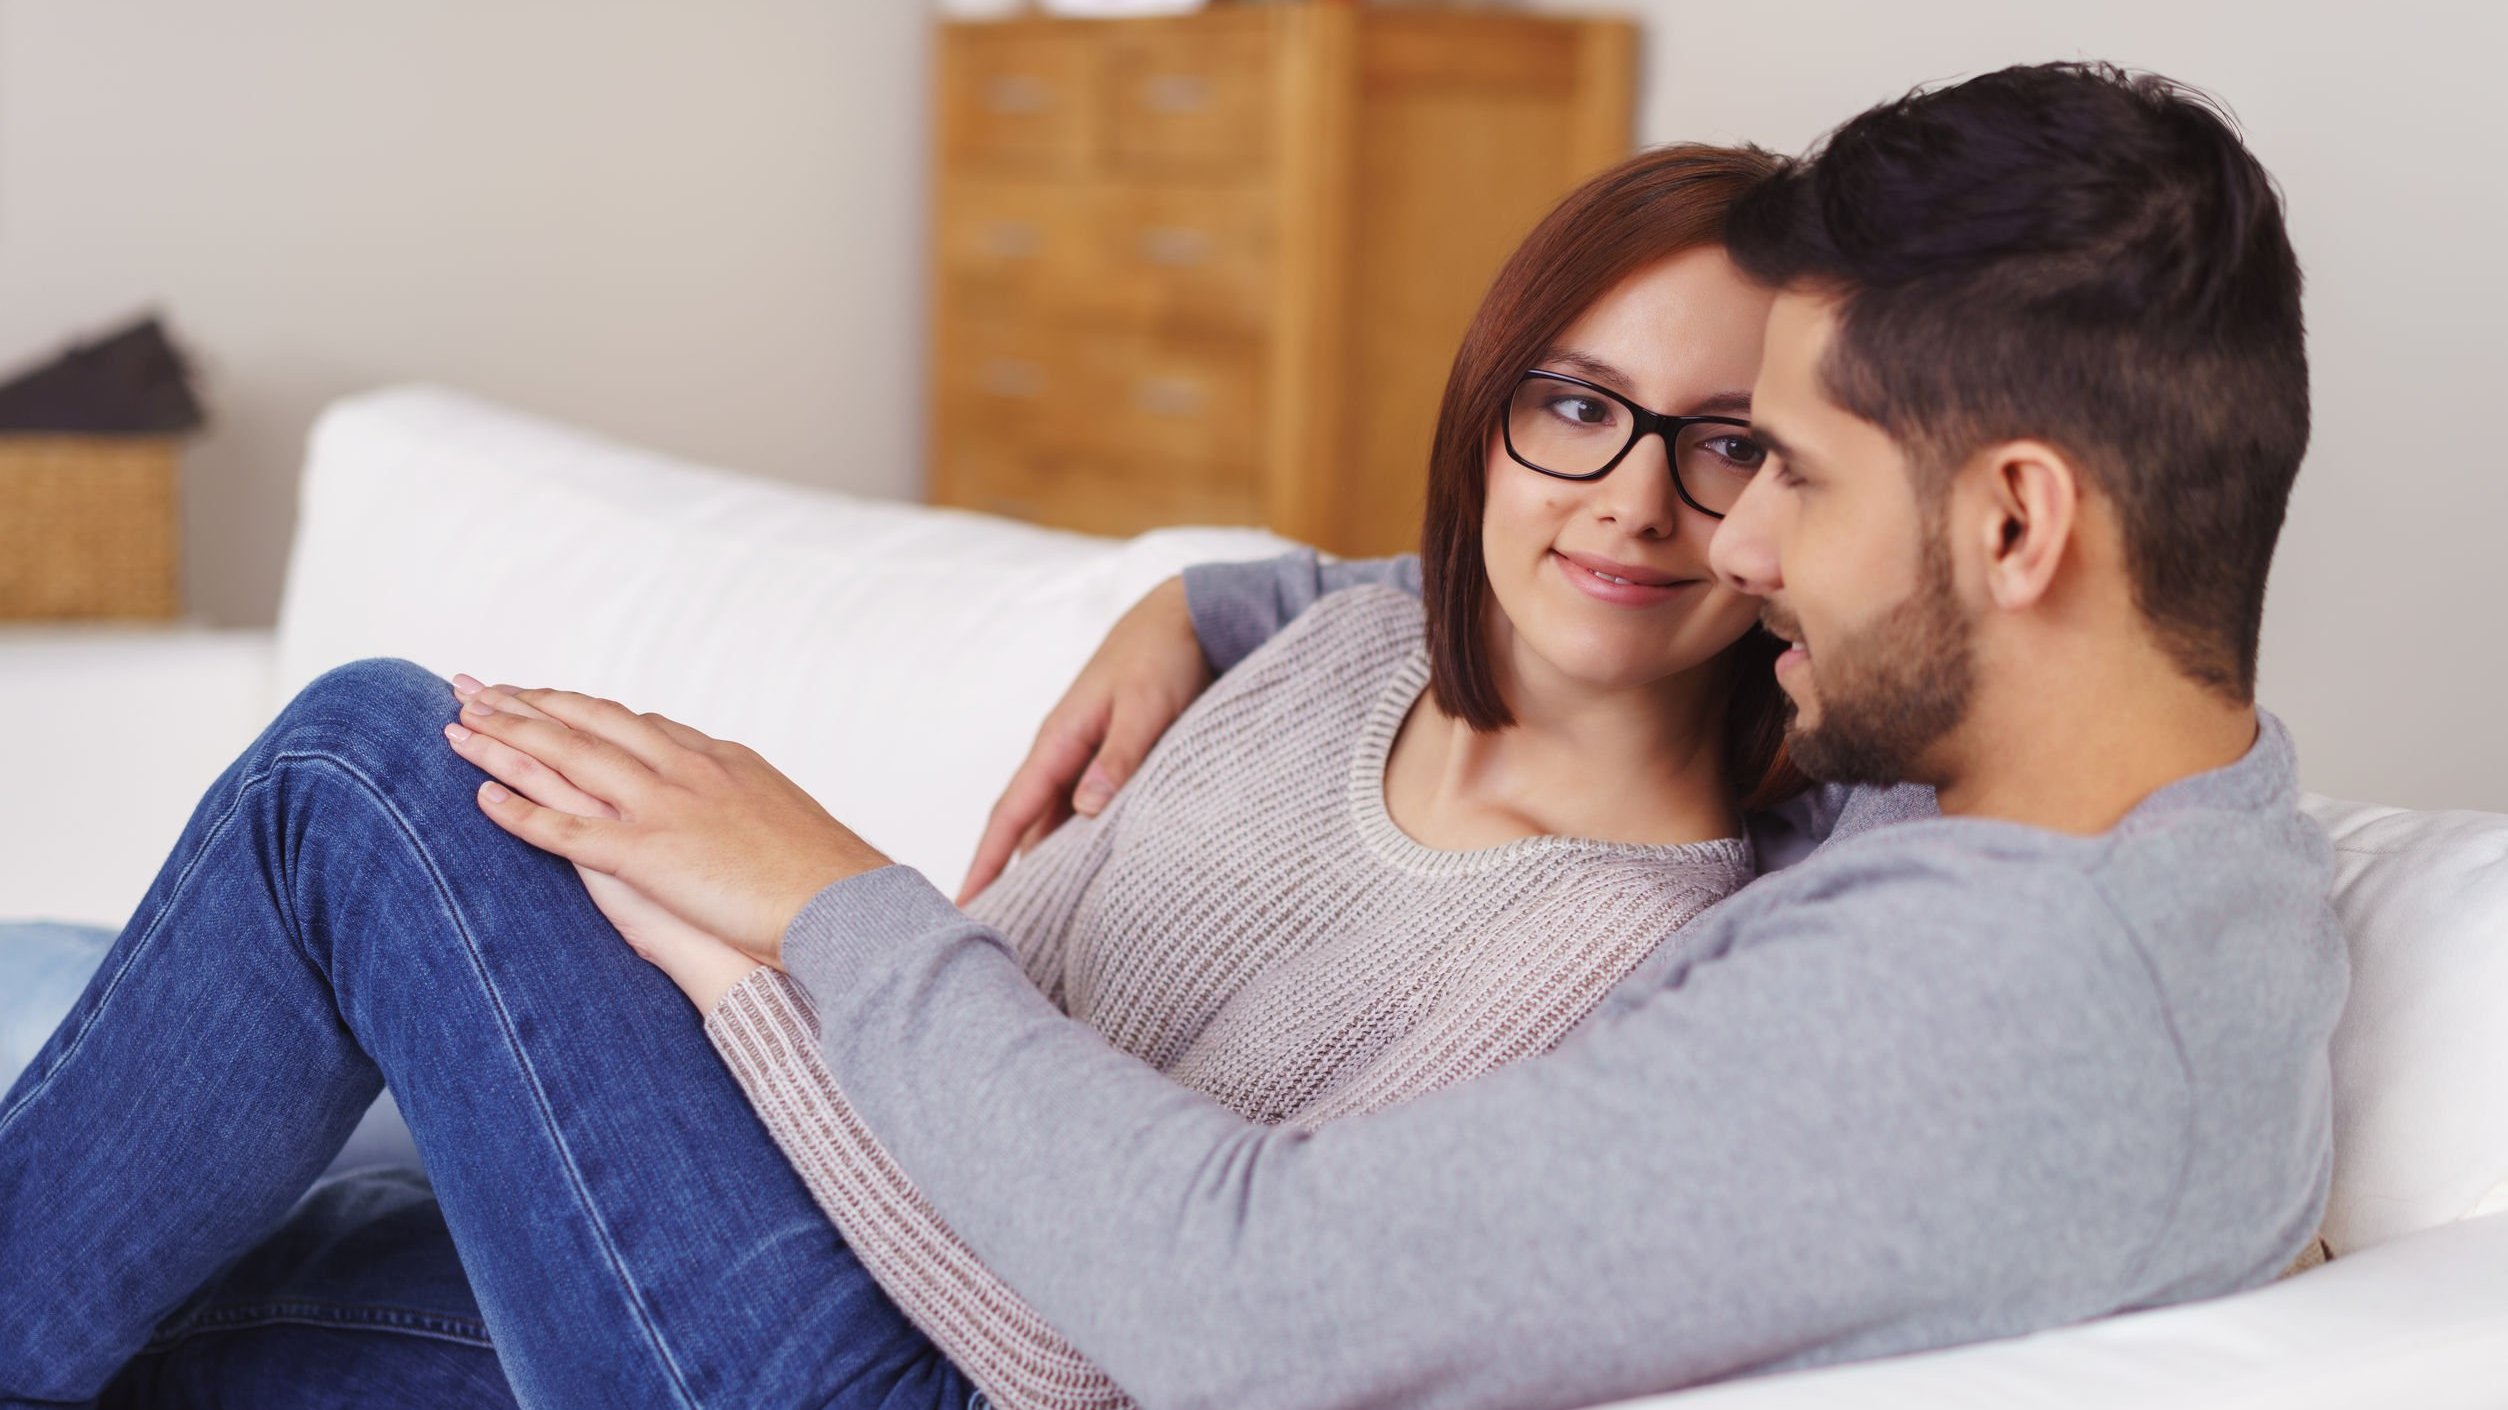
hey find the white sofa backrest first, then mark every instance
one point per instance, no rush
(893, 659)
(2421, 1058)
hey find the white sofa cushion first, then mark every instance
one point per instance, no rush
(2419, 1321)
(114, 731)
(893, 659)
(2420, 1115)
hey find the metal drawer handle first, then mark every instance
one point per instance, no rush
(1012, 94)
(1175, 246)
(1170, 396)
(1175, 94)
(1011, 239)
(1010, 377)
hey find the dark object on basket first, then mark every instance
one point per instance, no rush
(127, 383)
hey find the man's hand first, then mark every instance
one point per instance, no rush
(702, 826)
(1149, 668)
(704, 966)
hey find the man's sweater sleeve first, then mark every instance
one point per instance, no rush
(1237, 607)
(1884, 1127)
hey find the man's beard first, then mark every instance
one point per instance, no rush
(1893, 689)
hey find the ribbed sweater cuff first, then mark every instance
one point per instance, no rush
(852, 926)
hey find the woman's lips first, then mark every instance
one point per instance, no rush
(1605, 581)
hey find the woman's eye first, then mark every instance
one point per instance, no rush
(1740, 452)
(1584, 411)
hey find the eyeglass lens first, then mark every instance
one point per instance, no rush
(1571, 430)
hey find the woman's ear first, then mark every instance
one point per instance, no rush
(2033, 502)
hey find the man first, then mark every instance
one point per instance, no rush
(2035, 392)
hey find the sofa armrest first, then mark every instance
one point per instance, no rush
(2420, 1320)
(113, 734)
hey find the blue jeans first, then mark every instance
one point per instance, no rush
(338, 915)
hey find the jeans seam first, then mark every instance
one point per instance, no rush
(345, 1316)
(531, 1077)
(504, 1020)
(138, 950)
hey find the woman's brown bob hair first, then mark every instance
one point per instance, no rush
(1654, 205)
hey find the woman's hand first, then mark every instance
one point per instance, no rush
(1149, 668)
(701, 826)
(704, 966)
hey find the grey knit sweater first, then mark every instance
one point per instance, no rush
(1247, 919)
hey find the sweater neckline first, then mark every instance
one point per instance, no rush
(1385, 837)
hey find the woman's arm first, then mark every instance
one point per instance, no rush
(768, 1037)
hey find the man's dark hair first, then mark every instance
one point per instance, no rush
(2084, 256)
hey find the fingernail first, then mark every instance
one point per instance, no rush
(479, 707)
(455, 730)
(1094, 791)
(493, 791)
(465, 684)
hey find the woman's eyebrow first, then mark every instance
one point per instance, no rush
(1594, 369)
(1589, 367)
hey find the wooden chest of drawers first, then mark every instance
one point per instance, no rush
(1213, 269)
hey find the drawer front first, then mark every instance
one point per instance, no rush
(1166, 257)
(1016, 99)
(1095, 394)
(1189, 102)
(985, 472)
(1011, 244)
(1097, 494)
(1001, 380)
(1165, 399)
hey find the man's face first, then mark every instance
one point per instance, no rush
(1850, 568)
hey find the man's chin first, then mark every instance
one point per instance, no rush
(1824, 756)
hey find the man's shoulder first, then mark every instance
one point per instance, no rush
(1365, 625)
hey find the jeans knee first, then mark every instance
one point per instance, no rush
(379, 707)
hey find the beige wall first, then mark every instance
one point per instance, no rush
(693, 225)
(698, 226)
(2386, 126)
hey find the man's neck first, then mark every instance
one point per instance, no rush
(2085, 741)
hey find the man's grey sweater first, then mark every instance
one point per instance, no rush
(1941, 1081)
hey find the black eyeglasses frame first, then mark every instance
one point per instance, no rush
(1642, 423)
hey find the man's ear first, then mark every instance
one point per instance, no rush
(2032, 501)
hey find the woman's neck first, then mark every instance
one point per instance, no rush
(1638, 765)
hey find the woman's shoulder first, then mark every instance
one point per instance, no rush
(1363, 629)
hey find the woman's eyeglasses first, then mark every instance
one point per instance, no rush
(1572, 429)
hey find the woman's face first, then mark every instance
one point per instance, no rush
(1680, 337)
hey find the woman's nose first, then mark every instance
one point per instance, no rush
(1638, 495)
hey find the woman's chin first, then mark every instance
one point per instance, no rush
(1610, 667)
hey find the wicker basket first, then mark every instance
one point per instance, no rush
(88, 526)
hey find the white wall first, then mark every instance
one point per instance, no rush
(692, 225)
(2387, 127)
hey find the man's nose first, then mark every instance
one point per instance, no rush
(1743, 553)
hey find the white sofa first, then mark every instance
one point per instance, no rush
(894, 659)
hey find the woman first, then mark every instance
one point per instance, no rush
(1472, 821)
